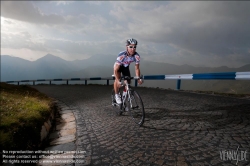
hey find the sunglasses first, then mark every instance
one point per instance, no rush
(132, 46)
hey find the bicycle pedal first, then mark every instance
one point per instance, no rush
(126, 109)
(116, 104)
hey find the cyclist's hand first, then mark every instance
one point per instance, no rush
(120, 85)
(140, 81)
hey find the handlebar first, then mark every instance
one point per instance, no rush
(129, 78)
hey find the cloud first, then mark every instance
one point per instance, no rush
(199, 27)
(95, 2)
(51, 40)
(82, 49)
(176, 32)
(82, 23)
(27, 12)
(21, 40)
(62, 2)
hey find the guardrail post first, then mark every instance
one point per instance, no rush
(50, 82)
(85, 82)
(178, 86)
(67, 82)
(17, 83)
(107, 82)
(33, 82)
(135, 82)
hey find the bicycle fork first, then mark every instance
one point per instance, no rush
(130, 100)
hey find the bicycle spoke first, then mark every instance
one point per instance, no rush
(131, 103)
(137, 108)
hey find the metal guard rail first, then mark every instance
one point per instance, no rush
(178, 77)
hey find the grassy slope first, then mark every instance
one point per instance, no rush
(23, 111)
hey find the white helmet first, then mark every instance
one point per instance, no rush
(131, 41)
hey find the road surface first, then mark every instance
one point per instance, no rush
(180, 128)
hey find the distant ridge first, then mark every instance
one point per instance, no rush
(52, 67)
(50, 57)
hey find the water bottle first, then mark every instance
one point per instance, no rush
(124, 93)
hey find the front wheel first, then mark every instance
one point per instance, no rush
(136, 108)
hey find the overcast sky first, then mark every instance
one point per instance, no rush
(177, 32)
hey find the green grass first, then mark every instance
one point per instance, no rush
(23, 111)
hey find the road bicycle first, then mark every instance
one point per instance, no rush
(131, 101)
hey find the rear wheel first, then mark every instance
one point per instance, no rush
(118, 107)
(137, 110)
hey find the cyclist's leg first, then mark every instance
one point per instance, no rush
(117, 69)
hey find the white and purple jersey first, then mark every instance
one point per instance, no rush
(125, 60)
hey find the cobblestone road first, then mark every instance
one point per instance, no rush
(180, 128)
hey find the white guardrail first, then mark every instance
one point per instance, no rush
(178, 77)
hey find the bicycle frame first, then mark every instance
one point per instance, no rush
(126, 85)
(127, 95)
(131, 101)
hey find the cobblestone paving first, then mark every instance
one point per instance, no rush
(180, 128)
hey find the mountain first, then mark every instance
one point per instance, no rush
(13, 68)
(52, 67)
(91, 71)
(47, 67)
(96, 60)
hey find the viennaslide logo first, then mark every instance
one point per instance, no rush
(234, 155)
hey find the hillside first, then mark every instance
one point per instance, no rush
(52, 67)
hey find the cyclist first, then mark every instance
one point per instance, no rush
(122, 66)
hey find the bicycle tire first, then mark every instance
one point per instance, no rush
(137, 111)
(118, 107)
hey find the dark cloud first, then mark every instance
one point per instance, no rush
(199, 29)
(192, 32)
(226, 30)
(26, 11)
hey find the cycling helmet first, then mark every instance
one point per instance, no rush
(131, 41)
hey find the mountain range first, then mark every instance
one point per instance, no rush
(53, 67)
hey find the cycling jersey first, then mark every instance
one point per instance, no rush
(125, 60)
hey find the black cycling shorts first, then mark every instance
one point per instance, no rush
(124, 70)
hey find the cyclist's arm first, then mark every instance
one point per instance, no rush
(137, 70)
(138, 73)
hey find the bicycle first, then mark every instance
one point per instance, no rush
(131, 101)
